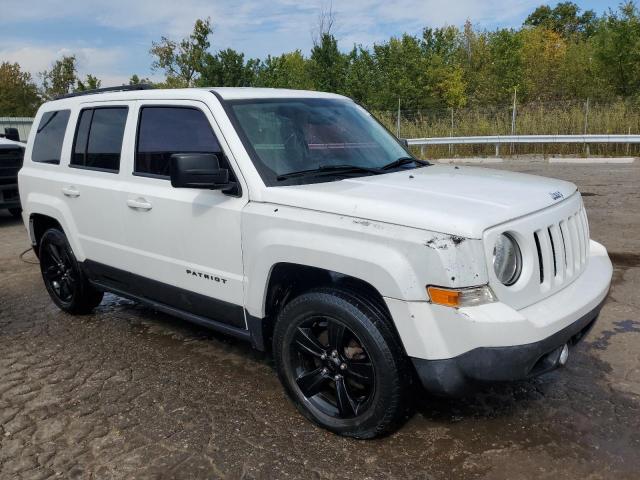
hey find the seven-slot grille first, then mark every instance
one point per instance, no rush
(563, 249)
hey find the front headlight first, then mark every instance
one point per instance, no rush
(507, 259)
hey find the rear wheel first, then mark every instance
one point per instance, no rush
(64, 280)
(16, 212)
(341, 363)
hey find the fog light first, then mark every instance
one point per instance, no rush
(564, 355)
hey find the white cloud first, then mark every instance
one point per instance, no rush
(101, 62)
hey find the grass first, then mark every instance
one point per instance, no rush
(562, 118)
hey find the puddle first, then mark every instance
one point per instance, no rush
(623, 326)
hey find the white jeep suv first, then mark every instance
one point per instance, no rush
(294, 220)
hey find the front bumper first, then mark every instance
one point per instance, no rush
(455, 376)
(454, 348)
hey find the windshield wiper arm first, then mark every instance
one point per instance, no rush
(404, 161)
(329, 169)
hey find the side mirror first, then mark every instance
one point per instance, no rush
(11, 133)
(198, 170)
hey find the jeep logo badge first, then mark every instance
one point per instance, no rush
(556, 195)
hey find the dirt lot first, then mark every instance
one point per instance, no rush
(127, 392)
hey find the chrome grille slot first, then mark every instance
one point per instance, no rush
(580, 231)
(540, 262)
(568, 248)
(575, 242)
(582, 216)
(547, 264)
(559, 253)
(553, 253)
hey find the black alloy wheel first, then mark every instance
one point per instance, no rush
(63, 278)
(58, 272)
(332, 367)
(341, 362)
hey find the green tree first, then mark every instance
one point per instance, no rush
(564, 18)
(61, 79)
(289, 70)
(476, 63)
(183, 61)
(504, 71)
(227, 68)
(445, 43)
(617, 50)
(580, 78)
(543, 55)
(327, 65)
(18, 93)
(136, 80)
(90, 83)
(445, 72)
(402, 68)
(361, 78)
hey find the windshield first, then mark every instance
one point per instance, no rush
(284, 136)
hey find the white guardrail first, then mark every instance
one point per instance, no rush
(498, 140)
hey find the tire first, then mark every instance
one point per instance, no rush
(63, 278)
(361, 391)
(16, 212)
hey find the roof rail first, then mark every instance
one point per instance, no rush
(121, 88)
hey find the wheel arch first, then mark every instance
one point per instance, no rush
(38, 225)
(287, 280)
(46, 211)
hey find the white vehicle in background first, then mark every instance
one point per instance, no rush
(294, 220)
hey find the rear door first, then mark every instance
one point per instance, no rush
(183, 245)
(93, 181)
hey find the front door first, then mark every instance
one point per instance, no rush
(183, 245)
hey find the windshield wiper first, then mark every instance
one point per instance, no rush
(329, 169)
(404, 161)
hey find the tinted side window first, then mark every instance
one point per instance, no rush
(99, 136)
(163, 131)
(47, 145)
(82, 134)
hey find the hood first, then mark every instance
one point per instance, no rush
(456, 200)
(5, 142)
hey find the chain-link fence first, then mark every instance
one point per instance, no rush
(544, 118)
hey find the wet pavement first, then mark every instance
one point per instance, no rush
(127, 392)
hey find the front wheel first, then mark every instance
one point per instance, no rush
(341, 363)
(65, 282)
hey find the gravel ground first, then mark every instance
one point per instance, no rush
(127, 392)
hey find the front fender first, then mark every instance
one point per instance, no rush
(397, 261)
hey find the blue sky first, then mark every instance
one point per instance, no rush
(111, 38)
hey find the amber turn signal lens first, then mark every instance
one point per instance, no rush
(444, 296)
(462, 297)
